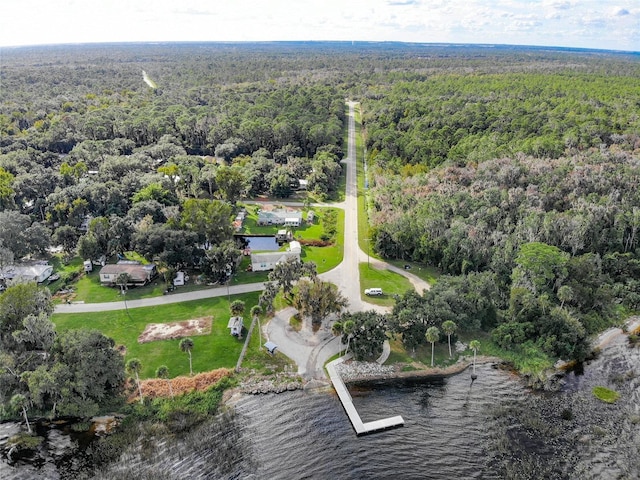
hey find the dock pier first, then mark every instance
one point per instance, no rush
(359, 426)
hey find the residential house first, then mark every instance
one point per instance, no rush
(138, 274)
(261, 262)
(280, 217)
(36, 272)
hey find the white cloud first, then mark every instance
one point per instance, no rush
(583, 23)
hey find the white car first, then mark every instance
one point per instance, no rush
(373, 291)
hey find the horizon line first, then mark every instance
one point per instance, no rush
(346, 42)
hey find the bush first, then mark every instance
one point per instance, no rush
(605, 394)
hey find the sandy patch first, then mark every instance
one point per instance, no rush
(166, 331)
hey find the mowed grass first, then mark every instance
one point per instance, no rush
(89, 290)
(390, 282)
(215, 350)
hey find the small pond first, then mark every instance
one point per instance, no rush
(262, 243)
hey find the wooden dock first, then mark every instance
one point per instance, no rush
(359, 426)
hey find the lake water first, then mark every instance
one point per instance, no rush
(493, 428)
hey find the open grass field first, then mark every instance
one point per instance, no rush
(390, 282)
(218, 349)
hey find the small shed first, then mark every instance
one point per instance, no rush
(311, 216)
(283, 235)
(88, 266)
(271, 347)
(235, 325)
(295, 247)
(179, 280)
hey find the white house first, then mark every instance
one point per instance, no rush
(261, 262)
(288, 218)
(37, 272)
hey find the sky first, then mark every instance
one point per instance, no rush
(601, 24)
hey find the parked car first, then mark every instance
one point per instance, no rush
(373, 291)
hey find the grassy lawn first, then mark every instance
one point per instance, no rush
(422, 354)
(390, 282)
(89, 290)
(325, 258)
(215, 350)
(426, 273)
(258, 359)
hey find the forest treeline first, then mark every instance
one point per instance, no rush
(511, 169)
(522, 189)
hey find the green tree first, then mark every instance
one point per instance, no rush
(449, 327)
(6, 191)
(268, 296)
(210, 219)
(348, 327)
(317, 299)
(134, 366)
(237, 308)
(219, 261)
(163, 372)
(37, 333)
(67, 237)
(88, 247)
(186, 345)
(432, 336)
(366, 335)
(88, 370)
(565, 294)
(256, 311)
(539, 267)
(232, 183)
(16, 304)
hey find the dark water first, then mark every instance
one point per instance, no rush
(257, 244)
(494, 428)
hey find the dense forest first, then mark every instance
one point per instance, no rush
(521, 186)
(512, 170)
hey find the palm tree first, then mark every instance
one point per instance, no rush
(475, 346)
(432, 336)
(256, 311)
(186, 345)
(347, 329)
(565, 294)
(133, 368)
(237, 308)
(337, 329)
(449, 327)
(163, 372)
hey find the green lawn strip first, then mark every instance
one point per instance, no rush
(390, 282)
(89, 290)
(215, 350)
(426, 273)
